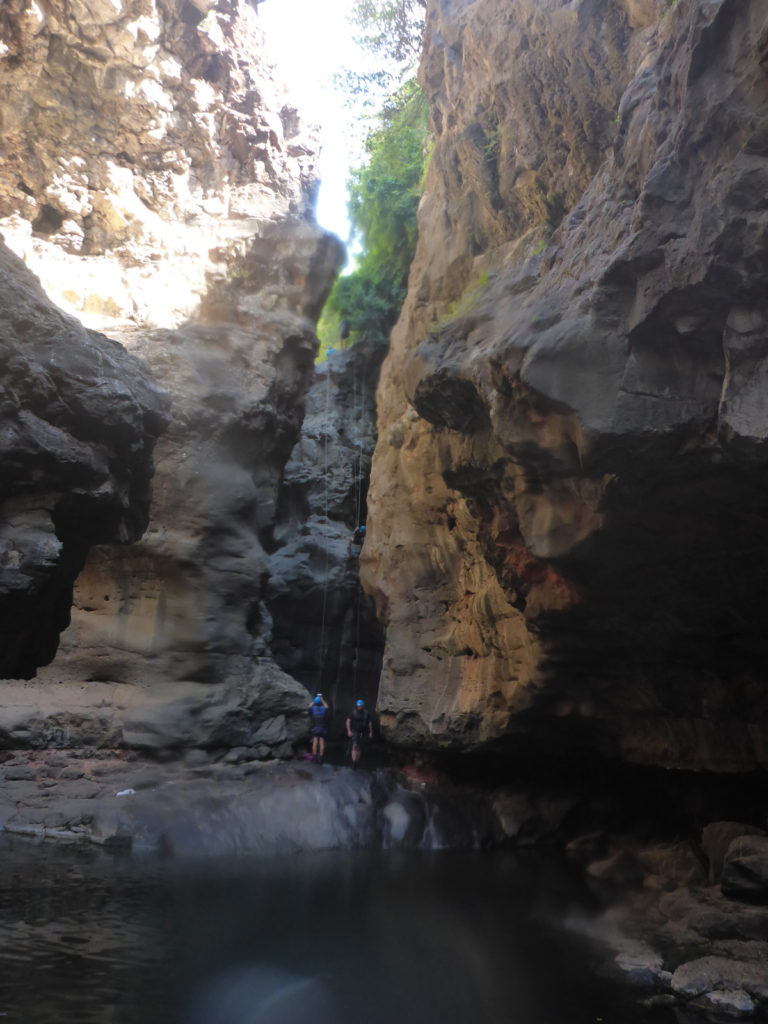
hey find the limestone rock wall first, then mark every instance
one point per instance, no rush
(162, 188)
(568, 524)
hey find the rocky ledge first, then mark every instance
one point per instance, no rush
(237, 805)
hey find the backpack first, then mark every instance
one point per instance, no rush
(359, 720)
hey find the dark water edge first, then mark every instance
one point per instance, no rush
(374, 938)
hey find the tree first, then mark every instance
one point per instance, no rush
(391, 32)
(384, 196)
(391, 28)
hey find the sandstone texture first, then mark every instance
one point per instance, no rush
(568, 524)
(155, 178)
(186, 605)
(78, 422)
(324, 627)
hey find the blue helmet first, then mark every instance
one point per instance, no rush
(318, 699)
(362, 529)
(359, 703)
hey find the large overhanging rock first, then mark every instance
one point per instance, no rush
(78, 422)
(569, 522)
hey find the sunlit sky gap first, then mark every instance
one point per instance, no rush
(309, 42)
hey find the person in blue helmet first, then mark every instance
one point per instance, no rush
(359, 729)
(318, 713)
(356, 541)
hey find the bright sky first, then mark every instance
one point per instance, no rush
(310, 40)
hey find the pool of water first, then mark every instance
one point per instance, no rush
(86, 936)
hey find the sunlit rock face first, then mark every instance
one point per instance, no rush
(162, 188)
(145, 141)
(324, 627)
(78, 421)
(568, 518)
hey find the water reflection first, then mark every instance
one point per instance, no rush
(449, 938)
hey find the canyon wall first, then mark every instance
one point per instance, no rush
(324, 627)
(78, 422)
(162, 187)
(568, 521)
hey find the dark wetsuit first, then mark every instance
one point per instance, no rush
(359, 721)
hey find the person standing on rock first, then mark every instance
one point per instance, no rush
(318, 711)
(359, 729)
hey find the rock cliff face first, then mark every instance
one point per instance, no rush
(324, 627)
(568, 520)
(159, 184)
(146, 141)
(78, 421)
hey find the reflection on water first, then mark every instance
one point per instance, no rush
(336, 938)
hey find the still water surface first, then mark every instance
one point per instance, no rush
(449, 938)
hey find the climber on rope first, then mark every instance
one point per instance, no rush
(318, 710)
(356, 542)
(359, 730)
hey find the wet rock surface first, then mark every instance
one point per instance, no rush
(675, 938)
(324, 627)
(745, 869)
(188, 809)
(568, 537)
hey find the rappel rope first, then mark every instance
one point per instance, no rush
(327, 560)
(358, 404)
(360, 419)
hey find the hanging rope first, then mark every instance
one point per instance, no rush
(357, 638)
(325, 512)
(360, 422)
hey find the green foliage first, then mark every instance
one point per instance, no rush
(391, 32)
(369, 299)
(384, 196)
(384, 193)
(390, 28)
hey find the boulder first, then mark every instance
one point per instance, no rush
(729, 1003)
(715, 840)
(745, 869)
(717, 973)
